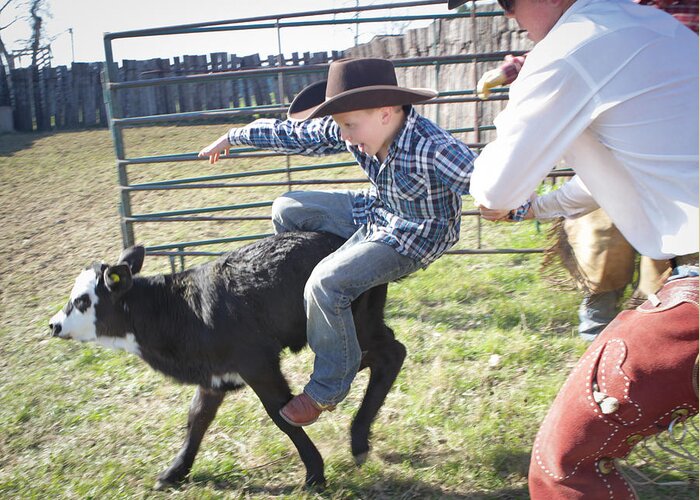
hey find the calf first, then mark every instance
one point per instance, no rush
(222, 326)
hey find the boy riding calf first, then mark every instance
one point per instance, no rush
(409, 216)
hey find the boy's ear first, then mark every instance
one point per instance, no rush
(387, 112)
(118, 280)
(384, 114)
(133, 257)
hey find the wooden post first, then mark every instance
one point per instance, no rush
(179, 70)
(23, 110)
(61, 76)
(131, 98)
(163, 92)
(251, 90)
(291, 82)
(41, 116)
(89, 105)
(236, 87)
(5, 99)
(101, 106)
(48, 81)
(218, 94)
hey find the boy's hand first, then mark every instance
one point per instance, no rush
(494, 215)
(515, 215)
(490, 79)
(214, 150)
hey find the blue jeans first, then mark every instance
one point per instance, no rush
(335, 282)
(596, 311)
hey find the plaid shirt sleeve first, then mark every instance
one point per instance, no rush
(317, 137)
(518, 215)
(454, 163)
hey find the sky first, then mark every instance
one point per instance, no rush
(90, 19)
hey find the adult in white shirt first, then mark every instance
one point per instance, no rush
(612, 87)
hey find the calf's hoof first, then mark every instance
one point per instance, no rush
(360, 458)
(315, 483)
(169, 480)
(359, 447)
(163, 484)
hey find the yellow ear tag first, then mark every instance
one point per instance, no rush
(114, 277)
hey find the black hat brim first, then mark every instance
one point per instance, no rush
(311, 102)
(453, 4)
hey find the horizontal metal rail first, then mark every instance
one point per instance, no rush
(279, 70)
(282, 109)
(188, 28)
(219, 185)
(300, 70)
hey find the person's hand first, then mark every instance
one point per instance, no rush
(214, 150)
(494, 215)
(490, 79)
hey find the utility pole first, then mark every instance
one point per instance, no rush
(72, 46)
(357, 25)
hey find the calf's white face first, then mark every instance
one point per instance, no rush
(78, 320)
(94, 311)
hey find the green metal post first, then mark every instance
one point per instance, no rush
(114, 111)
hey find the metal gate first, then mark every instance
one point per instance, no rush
(250, 188)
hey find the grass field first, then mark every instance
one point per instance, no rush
(80, 421)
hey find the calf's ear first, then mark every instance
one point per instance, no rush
(118, 279)
(133, 257)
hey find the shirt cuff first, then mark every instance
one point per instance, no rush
(234, 135)
(518, 215)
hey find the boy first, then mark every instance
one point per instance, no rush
(409, 216)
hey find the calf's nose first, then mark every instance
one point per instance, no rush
(55, 329)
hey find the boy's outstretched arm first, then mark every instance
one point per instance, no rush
(320, 136)
(216, 148)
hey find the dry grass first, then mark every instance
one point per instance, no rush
(79, 421)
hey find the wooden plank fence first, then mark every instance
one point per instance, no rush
(66, 98)
(71, 97)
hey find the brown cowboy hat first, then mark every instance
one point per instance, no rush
(355, 84)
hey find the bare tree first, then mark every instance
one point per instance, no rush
(36, 10)
(5, 57)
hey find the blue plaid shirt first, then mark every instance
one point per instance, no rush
(414, 199)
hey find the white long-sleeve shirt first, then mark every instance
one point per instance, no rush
(613, 88)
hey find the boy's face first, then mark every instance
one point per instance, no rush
(366, 128)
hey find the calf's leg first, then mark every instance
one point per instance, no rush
(203, 409)
(266, 379)
(384, 359)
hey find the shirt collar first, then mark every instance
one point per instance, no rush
(404, 138)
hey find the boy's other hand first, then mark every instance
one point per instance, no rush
(494, 215)
(503, 215)
(490, 79)
(215, 149)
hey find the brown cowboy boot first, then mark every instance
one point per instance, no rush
(301, 410)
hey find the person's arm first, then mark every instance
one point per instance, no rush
(504, 75)
(549, 108)
(571, 200)
(320, 136)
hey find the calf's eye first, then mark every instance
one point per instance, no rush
(82, 303)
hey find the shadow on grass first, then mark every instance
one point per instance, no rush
(387, 488)
(12, 143)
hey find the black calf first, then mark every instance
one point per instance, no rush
(222, 326)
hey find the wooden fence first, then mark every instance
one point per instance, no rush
(68, 98)
(64, 98)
